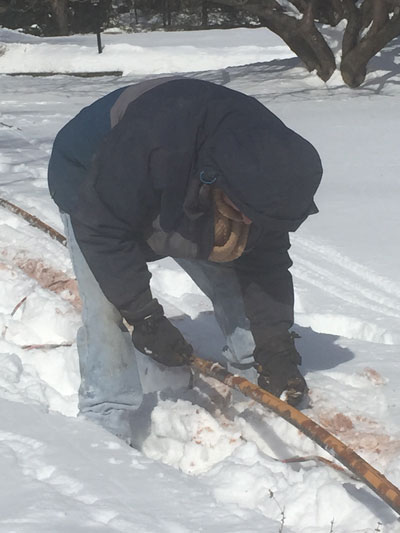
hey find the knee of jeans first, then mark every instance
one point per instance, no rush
(101, 310)
(240, 346)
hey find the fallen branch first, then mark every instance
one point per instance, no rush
(47, 277)
(345, 455)
(45, 346)
(34, 221)
(21, 302)
(318, 459)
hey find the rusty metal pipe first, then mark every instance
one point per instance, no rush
(345, 455)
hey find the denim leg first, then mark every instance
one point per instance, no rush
(219, 282)
(110, 384)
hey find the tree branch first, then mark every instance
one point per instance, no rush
(371, 24)
(352, 31)
(300, 34)
(33, 221)
(358, 48)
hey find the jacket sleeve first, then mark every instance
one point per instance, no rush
(114, 255)
(267, 286)
(139, 172)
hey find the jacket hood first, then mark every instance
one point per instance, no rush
(270, 172)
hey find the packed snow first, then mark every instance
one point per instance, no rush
(209, 460)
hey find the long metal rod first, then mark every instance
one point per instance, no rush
(349, 458)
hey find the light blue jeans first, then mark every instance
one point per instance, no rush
(111, 389)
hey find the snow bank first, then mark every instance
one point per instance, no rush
(142, 54)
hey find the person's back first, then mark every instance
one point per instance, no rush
(138, 172)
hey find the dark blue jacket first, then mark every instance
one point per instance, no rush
(146, 176)
(74, 149)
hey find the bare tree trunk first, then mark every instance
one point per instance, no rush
(59, 9)
(3, 7)
(306, 41)
(169, 17)
(371, 25)
(368, 30)
(301, 35)
(166, 13)
(204, 14)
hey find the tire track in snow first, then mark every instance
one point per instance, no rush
(57, 482)
(329, 269)
(344, 289)
(365, 299)
(346, 279)
(21, 155)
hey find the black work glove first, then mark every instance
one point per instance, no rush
(156, 337)
(277, 362)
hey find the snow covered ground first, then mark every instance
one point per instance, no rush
(141, 53)
(209, 462)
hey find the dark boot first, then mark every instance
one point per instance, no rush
(277, 364)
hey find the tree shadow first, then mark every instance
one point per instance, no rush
(382, 71)
(387, 63)
(224, 76)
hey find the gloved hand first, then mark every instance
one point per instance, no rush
(160, 340)
(277, 362)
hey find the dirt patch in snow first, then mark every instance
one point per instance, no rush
(48, 277)
(361, 433)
